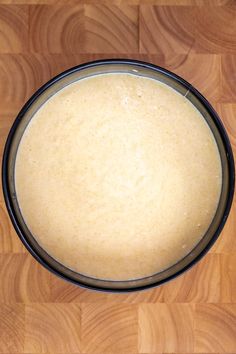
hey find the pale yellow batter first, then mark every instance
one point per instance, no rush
(118, 176)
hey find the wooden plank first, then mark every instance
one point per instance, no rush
(210, 38)
(109, 328)
(83, 29)
(14, 28)
(167, 29)
(215, 328)
(23, 280)
(166, 328)
(52, 328)
(12, 328)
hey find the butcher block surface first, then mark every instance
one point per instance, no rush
(40, 313)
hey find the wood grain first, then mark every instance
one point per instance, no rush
(26, 77)
(83, 28)
(228, 78)
(109, 328)
(162, 328)
(133, 2)
(175, 29)
(228, 279)
(111, 29)
(54, 29)
(9, 241)
(30, 282)
(14, 28)
(166, 29)
(212, 38)
(42, 314)
(52, 327)
(12, 328)
(215, 328)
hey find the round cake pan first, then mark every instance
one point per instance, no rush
(136, 68)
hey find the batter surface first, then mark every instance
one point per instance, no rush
(118, 176)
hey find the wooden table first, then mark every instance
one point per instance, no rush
(40, 313)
